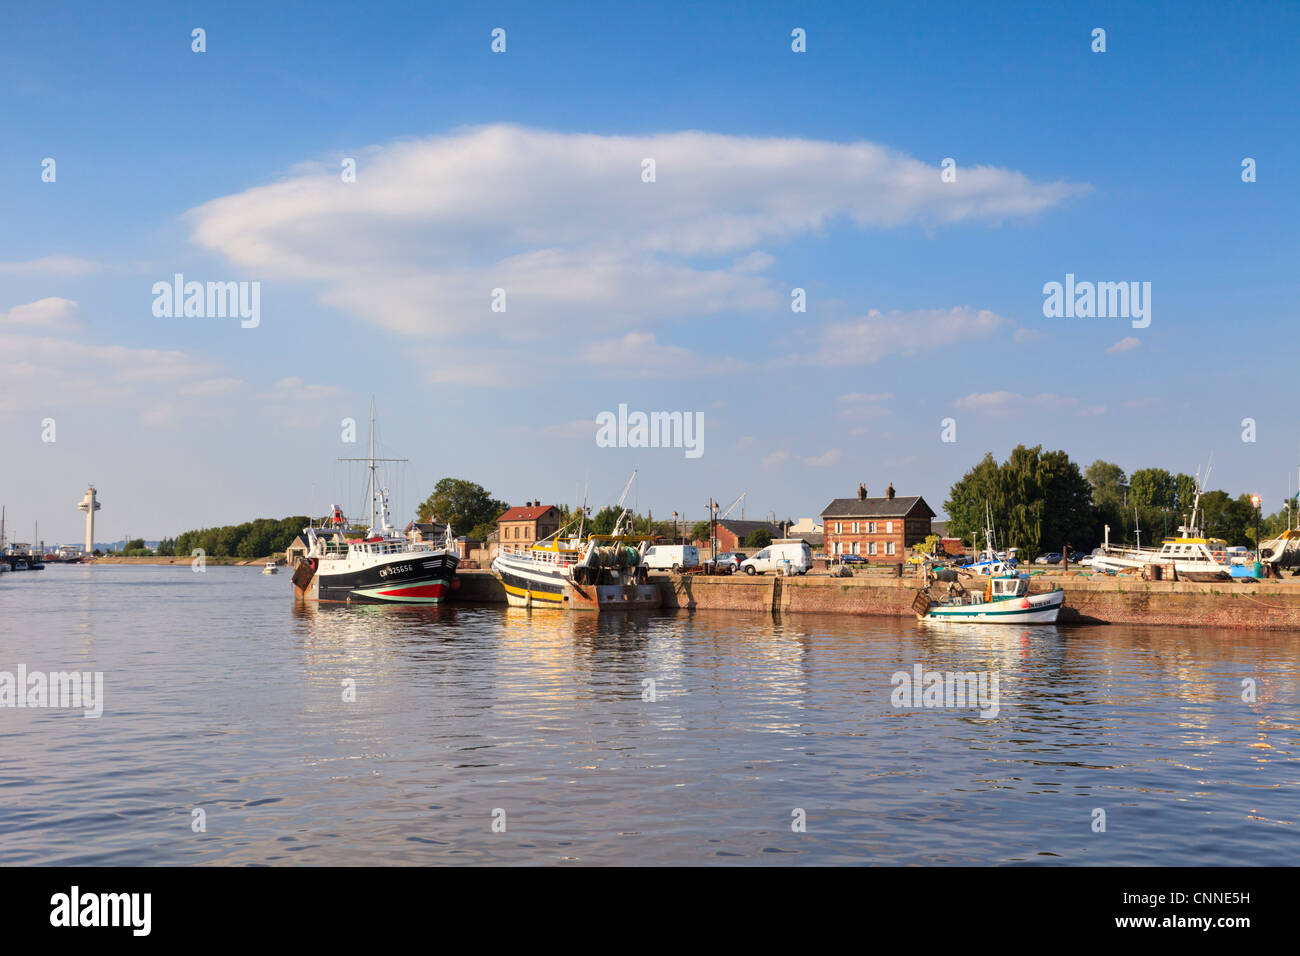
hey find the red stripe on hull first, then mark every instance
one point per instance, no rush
(422, 591)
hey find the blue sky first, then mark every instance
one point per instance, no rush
(521, 170)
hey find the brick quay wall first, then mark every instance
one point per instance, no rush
(1263, 605)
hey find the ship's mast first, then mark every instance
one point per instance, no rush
(371, 462)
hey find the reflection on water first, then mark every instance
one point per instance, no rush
(390, 735)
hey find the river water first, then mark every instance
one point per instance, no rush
(490, 735)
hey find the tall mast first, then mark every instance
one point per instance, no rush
(371, 462)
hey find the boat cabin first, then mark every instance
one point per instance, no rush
(1008, 586)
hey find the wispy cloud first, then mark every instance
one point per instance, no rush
(1127, 344)
(824, 460)
(53, 265)
(1006, 403)
(639, 355)
(51, 315)
(565, 224)
(877, 334)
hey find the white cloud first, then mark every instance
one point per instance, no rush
(857, 406)
(876, 335)
(1125, 344)
(294, 389)
(564, 223)
(639, 355)
(51, 314)
(1004, 403)
(824, 461)
(775, 458)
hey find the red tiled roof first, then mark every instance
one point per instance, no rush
(524, 513)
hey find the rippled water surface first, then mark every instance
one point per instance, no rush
(221, 695)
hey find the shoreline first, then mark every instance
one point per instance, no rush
(1269, 605)
(1264, 605)
(208, 559)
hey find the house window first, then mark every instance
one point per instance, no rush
(871, 527)
(839, 527)
(889, 548)
(857, 548)
(871, 547)
(839, 547)
(889, 529)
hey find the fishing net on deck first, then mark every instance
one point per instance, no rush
(614, 556)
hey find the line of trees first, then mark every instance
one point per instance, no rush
(1041, 501)
(252, 539)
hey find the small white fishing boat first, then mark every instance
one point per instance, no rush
(1004, 600)
(270, 568)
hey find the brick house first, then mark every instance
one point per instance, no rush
(875, 528)
(526, 524)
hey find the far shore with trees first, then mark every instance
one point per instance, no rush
(1040, 501)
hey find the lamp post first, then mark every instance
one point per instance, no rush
(1255, 500)
(675, 530)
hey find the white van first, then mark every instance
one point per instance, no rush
(774, 556)
(672, 557)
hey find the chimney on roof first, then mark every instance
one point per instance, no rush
(862, 491)
(889, 492)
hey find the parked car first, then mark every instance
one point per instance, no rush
(1051, 557)
(850, 559)
(774, 556)
(725, 563)
(672, 557)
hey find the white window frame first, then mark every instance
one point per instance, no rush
(889, 548)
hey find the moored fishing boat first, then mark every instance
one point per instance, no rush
(384, 567)
(598, 572)
(1192, 555)
(1004, 600)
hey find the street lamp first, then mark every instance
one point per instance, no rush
(1255, 500)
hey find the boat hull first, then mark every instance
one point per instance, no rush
(530, 584)
(1031, 609)
(410, 578)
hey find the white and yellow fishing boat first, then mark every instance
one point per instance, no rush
(596, 572)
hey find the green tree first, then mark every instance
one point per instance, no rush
(1038, 500)
(1153, 488)
(965, 506)
(602, 522)
(758, 538)
(1107, 480)
(700, 531)
(135, 544)
(465, 504)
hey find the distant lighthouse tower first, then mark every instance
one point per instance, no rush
(89, 505)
